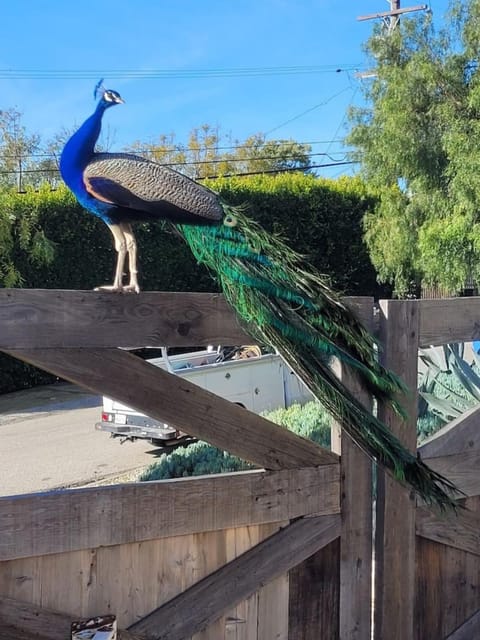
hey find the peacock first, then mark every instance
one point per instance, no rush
(285, 304)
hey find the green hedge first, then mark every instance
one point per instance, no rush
(48, 241)
(321, 219)
(310, 421)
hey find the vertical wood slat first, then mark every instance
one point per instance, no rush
(355, 621)
(213, 554)
(314, 596)
(337, 579)
(447, 588)
(395, 524)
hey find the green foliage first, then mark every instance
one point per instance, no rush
(16, 147)
(199, 458)
(207, 155)
(23, 243)
(47, 241)
(417, 143)
(309, 421)
(390, 234)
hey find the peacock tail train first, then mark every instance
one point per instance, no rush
(289, 306)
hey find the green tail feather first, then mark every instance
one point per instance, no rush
(289, 306)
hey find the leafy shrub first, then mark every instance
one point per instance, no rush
(310, 421)
(197, 459)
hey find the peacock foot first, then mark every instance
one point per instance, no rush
(131, 288)
(112, 288)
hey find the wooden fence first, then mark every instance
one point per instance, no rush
(281, 552)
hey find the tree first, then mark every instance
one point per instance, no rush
(417, 141)
(208, 154)
(16, 149)
(26, 160)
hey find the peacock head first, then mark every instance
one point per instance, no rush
(106, 97)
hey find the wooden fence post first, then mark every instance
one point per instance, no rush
(395, 522)
(331, 592)
(356, 496)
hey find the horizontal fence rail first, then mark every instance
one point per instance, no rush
(39, 318)
(61, 521)
(448, 320)
(34, 318)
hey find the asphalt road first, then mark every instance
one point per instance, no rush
(48, 441)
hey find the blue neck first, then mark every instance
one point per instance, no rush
(79, 150)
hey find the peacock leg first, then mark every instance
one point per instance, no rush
(121, 249)
(132, 257)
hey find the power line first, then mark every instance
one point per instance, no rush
(120, 74)
(343, 117)
(226, 175)
(189, 162)
(180, 147)
(303, 113)
(248, 159)
(283, 170)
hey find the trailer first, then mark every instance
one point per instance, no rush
(248, 377)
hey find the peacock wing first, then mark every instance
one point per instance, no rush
(134, 182)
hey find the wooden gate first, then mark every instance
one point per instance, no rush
(284, 551)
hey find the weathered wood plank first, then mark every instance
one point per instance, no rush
(242, 620)
(213, 555)
(429, 597)
(470, 629)
(395, 534)
(461, 469)
(447, 586)
(213, 596)
(314, 600)
(129, 580)
(460, 530)
(7, 632)
(35, 318)
(41, 623)
(38, 318)
(449, 320)
(356, 510)
(272, 605)
(118, 374)
(462, 434)
(56, 522)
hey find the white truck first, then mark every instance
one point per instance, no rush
(254, 380)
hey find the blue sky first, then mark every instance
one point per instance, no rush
(105, 36)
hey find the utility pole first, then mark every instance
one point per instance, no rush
(392, 18)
